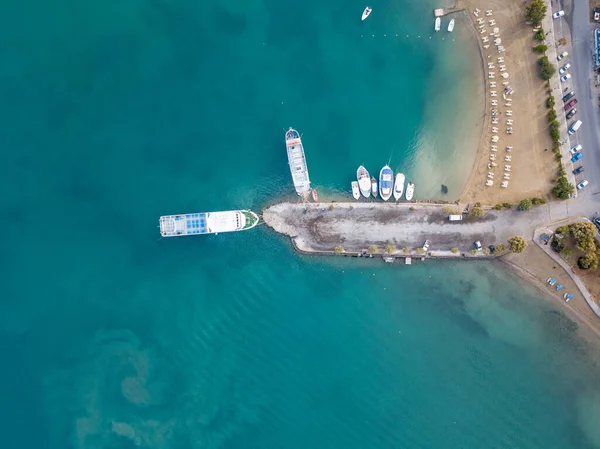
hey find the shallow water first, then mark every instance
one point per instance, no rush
(117, 113)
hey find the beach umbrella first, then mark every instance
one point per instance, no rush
(559, 287)
(568, 296)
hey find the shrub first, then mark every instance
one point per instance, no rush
(567, 253)
(339, 249)
(563, 230)
(508, 205)
(541, 49)
(473, 252)
(557, 244)
(550, 103)
(563, 189)
(390, 249)
(477, 211)
(525, 204)
(561, 171)
(406, 250)
(454, 250)
(500, 248)
(373, 249)
(420, 251)
(477, 204)
(562, 41)
(351, 207)
(517, 244)
(498, 206)
(486, 251)
(535, 12)
(540, 35)
(450, 210)
(411, 208)
(589, 260)
(558, 158)
(538, 201)
(555, 131)
(552, 115)
(331, 207)
(547, 69)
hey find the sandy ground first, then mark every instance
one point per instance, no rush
(532, 166)
(536, 267)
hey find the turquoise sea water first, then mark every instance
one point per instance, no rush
(116, 113)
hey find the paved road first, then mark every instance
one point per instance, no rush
(577, 28)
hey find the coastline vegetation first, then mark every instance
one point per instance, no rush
(339, 249)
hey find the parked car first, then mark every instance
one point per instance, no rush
(426, 245)
(582, 184)
(558, 14)
(563, 55)
(596, 221)
(571, 113)
(564, 68)
(578, 170)
(568, 96)
(477, 244)
(576, 149)
(570, 104)
(565, 77)
(596, 14)
(576, 157)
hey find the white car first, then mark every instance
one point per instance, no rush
(576, 149)
(477, 245)
(565, 77)
(582, 184)
(564, 68)
(558, 14)
(426, 245)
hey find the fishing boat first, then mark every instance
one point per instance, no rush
(366, 13)
(386, 183)
(364, 181)
(399, 186)
(374, 186)
(438, 23)
(207, 223)
(451, 26)
(315, 195)
(355, 191)
(297, 162)
(410, 190)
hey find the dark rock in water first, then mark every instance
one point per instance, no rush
(444, 189)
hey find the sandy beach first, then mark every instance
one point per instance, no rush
(532, 162)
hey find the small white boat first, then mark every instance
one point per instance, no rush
(373, 186)
(366, 12)
(355, 191)
(451, 26)
(410, 190)
(399, 186)
(438, 23)
(364, 181)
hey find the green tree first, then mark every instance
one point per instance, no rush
(583, 230)
(563, 230)
(517, 244)
(454, 250)
(486, 251)
(508, 205)
(500, 248)
(477, 211)
(551, 116)
(525, 204)
(563, 188)
(547, 69)
(562, 41)
(390, 249)
(339, 249)
(406, 250)
(535, 12)
(373, 249)
(540, 35)
(538, 201)
(555, 131)
(550, 103)
(540, 48)
(589, 260)
(498, 206)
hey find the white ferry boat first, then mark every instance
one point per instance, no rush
(410, 190)
(364, 181)
(207, 223)
(399, 186)
(297, 161)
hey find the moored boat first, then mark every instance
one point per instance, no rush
(364, 181)
(410, 190)
(451, 26)
(207, 223)
(373, 186)
(386, 183)
(438, 23)
(366, 13)
(297, 162)
(315, 195)
(399, 186)
(355, 190)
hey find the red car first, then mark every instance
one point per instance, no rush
(570, 104)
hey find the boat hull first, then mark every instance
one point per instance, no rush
(355, 190)
(366, 13)
(374, 187)
(399, 186)
(451, 26)
(207, 223)
(364, 181)
(386, 183)
(438, 24)
(297, 162)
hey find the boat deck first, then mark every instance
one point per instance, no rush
(298, 166)
(188, 224)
